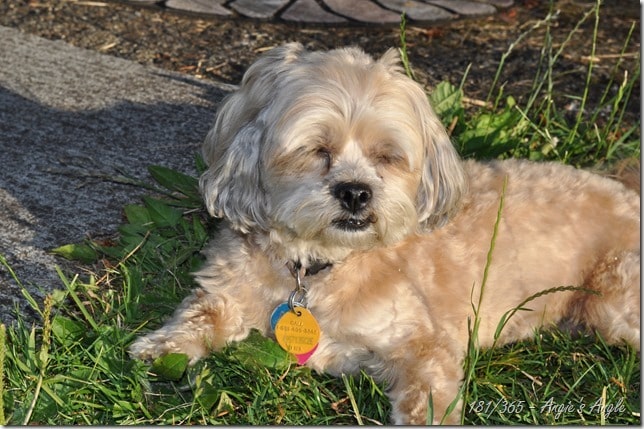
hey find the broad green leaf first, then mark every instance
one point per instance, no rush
(131, 231)
(260, 351)
(171, 366)
(65, 329)
(208, 395)
(161, 213)
(200, 232)
(137, 214)
(200, 164)
(175, 180)
(58, 296)
(446, 99)
(77, 252)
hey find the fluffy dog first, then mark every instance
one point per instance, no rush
(331, 170)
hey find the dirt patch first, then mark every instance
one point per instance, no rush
(222, 49)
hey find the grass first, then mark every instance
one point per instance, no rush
(71, 367)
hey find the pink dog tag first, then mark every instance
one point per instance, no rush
(301, 359)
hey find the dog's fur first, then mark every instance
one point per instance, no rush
(336, 158)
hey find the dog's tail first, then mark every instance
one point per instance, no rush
(628, 172)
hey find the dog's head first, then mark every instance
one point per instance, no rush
(326, 152)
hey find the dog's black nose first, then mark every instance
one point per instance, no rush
(353, 196)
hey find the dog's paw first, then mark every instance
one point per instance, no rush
(159, 344)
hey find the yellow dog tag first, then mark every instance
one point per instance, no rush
(297, 331)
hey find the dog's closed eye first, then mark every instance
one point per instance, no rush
(325, 154)
(388, 154)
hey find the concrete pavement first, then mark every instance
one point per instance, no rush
(70, 120)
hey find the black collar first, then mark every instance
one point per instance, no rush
(312, 269)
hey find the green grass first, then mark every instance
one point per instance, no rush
(71, 367)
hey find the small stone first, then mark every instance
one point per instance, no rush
(464, 7)
(500, 3)
(139, 2)
(213, 7)
(418, 11)
(258, 9)
(309, 11)
(363, 10)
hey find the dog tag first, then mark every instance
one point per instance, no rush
(297, 332)
(301, 359)
(278, 313)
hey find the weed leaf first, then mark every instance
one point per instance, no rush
(65, 329)
(137, 215)
(77, 252)
(260, 351)
(175, 181)
(162, 214)
(171, 366)
(446, 100)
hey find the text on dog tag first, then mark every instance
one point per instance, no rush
(297, 331)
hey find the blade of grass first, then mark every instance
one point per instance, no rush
(71, 289)
(547, 107)
(3, 336)
(550, 17)
(352, 399)
(604, 98)
(589, 74)
(404, 58)
(32, 302)
(472, 353)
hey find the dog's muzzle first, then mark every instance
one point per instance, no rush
(354, 197)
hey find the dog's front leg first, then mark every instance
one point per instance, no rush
(426, 378)
(203, 322)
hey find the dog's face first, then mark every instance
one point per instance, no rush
(329, 152)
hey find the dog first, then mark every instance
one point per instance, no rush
(344, 199)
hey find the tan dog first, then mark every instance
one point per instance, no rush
(336, 162)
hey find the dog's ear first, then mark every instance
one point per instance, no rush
(443, 180)
(232, 186)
